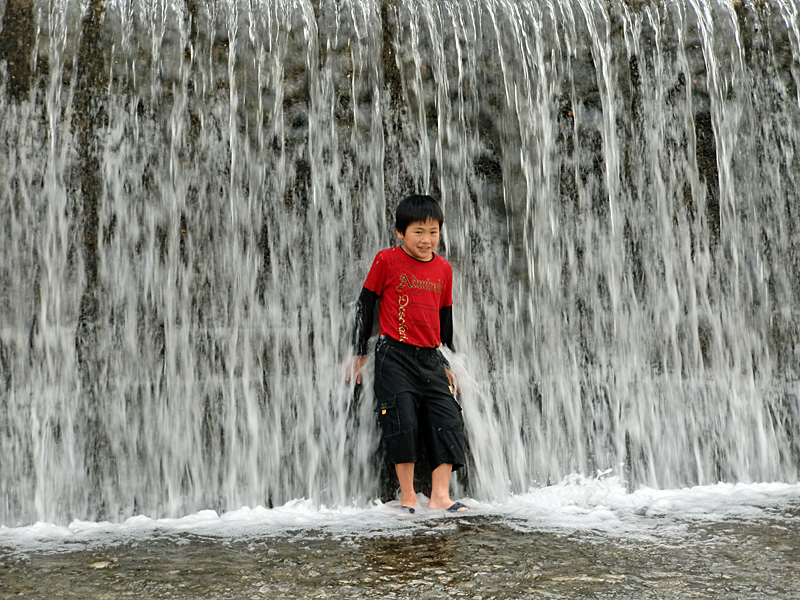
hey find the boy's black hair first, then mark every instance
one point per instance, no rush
(417, 208)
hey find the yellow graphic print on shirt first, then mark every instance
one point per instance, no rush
(403, 299)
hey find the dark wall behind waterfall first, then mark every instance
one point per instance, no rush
(191, 193)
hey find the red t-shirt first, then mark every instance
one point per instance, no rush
(412, 293)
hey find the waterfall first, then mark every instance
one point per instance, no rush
(192, 193)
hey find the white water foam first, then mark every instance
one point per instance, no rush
(600, 505)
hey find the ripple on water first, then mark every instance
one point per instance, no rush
(470, 557)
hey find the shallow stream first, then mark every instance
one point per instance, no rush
(586, 539)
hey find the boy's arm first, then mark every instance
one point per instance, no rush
(446, 326)
(365, 309)
(446, 332)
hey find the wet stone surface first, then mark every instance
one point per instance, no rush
(467, 557)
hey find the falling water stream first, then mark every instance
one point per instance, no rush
(191, 193)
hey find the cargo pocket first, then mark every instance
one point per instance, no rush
(389, 417)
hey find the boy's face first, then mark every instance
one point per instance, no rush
(420, 239)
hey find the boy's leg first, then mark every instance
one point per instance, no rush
(405, 475)
(440, 487)
(397, 413)
(443, 427)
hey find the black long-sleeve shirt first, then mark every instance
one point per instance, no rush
(365, 317)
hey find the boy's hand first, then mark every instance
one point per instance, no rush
(354, 366)
(454, 385)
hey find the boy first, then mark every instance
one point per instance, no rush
(413, 384)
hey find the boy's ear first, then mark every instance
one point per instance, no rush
(399, 234)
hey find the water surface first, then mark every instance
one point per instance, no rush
(580, 539)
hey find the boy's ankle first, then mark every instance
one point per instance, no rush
(409, 500)
(440, 502)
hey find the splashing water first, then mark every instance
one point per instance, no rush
(193, 191)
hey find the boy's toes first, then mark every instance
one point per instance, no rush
(457, 507)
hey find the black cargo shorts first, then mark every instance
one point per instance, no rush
(414, 397)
